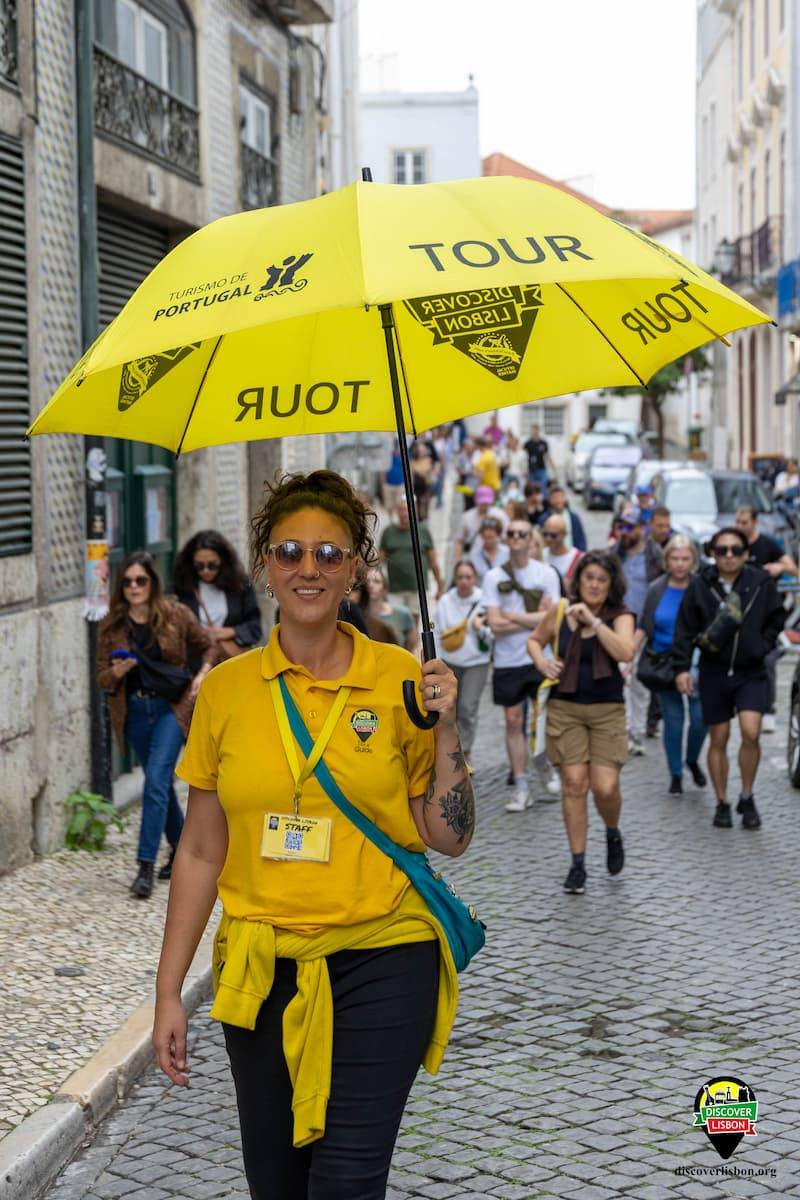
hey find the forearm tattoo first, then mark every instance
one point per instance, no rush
(456, 803)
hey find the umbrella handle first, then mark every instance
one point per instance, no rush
(421, 719)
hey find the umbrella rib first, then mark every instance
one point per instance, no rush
(197, 395)
(603, 335)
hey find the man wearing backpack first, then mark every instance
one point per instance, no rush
(732, 612)
(517, 596)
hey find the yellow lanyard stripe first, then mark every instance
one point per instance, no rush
(301, 774)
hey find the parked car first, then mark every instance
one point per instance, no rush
(643, 473)
(703, 501)
(627, 425)
(608, 472)
(583, 447)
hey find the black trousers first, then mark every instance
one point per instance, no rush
(384, 1004)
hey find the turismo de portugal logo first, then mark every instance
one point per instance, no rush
(726, 1109)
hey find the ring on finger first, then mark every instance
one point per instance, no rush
(437, 691)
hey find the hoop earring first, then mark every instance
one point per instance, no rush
(270, 592)
(348, 590)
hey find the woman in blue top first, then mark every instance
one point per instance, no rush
(657, 629)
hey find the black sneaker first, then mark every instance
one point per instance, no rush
(575, 883)
(510, 779)
(750, 817)
(615, 854)
(652, 729)
(697, 774)
(142, 886)
(675, 785)
(722, 817)
(166, 870)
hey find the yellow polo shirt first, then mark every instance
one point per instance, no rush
(377, 756)
(487, 470)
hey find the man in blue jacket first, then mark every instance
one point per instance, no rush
(557, 503)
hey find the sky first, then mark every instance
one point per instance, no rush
(597, 92)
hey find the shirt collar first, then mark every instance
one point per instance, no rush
(362, 672)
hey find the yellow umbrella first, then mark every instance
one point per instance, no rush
(381, 305)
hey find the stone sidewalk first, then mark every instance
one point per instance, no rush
(585, 1027)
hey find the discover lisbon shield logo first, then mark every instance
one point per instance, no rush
(726, 1109)
(490, 325)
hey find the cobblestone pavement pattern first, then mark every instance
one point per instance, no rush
(585, 1027)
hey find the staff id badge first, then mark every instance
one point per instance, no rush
(296, 838)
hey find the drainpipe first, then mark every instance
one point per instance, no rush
(94, 449)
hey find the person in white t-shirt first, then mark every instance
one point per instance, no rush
(473, 518)
(517, 596)
(557, 553)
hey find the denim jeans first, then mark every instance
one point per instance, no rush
(672, 715)
(152, 728)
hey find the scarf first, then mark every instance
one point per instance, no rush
(602, 663)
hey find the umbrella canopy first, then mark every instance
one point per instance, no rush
(503, 290)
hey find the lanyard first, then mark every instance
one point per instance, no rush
(301, 774)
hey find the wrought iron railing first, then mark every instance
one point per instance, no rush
(9, 65)
(259, 182)
(757, 255)
(130, 109)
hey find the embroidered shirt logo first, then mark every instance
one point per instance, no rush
(364, 723)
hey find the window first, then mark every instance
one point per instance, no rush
(767, 185)
(782, 15)
(740, 208)
(255, 115)
(740, 58)
(553, 420)
(782, 177)
(16, 518)
(712, 137)
(713, 235)
(409, 166)
(704, 248)
(154, 38)
(704, 173)
(766, 28)
(752, 198)
(752, 31)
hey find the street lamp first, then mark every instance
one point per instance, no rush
(725, 259)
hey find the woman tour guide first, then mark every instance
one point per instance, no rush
(332, 980)
(144, 647)
(586, 735)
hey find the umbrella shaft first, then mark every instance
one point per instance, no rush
(387, 320)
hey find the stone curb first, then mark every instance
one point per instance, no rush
(33, 1154)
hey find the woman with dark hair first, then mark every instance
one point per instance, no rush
(591, 633)
(464, 641)
(143, 649)
(733, 613)
(333, 981)
(209, 578)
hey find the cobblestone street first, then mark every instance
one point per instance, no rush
(585, 1028)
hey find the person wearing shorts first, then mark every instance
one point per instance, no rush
(731, 676)
(517, 595)
(590, 634)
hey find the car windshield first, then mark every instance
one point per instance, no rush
(587, 442)
(616, 456)
(731, 491)
(649, 467)
(693, 497)
(609, 425)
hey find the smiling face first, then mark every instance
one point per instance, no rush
(307, 594)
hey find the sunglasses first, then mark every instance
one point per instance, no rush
(548, 533)
(328, 557)
(214, 565)
(519, 533)
(625, 527)
(727, 551)
(135, 581)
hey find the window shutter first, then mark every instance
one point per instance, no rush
(128, 249)
(16, 515)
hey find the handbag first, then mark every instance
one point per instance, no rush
(454, 637)
(538, 741)
(226, 647)
(165, 679)
(655, 670)
(464, 932)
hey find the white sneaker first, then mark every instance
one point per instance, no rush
(768, 723)
(635, 746)
(553, 785)
(521, 800)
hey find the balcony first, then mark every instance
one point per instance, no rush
(296, 12)
(752, 261)
(259, 178)
(9, 66)
(140, 116)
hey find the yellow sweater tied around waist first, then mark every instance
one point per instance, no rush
(243, 974)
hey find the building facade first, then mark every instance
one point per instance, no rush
(745, 223)
(201, 108)
(420, 137)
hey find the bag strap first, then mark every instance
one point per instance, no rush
(202, 605)
(561, 612)
(362, 822)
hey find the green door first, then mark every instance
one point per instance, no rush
(141, 478)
